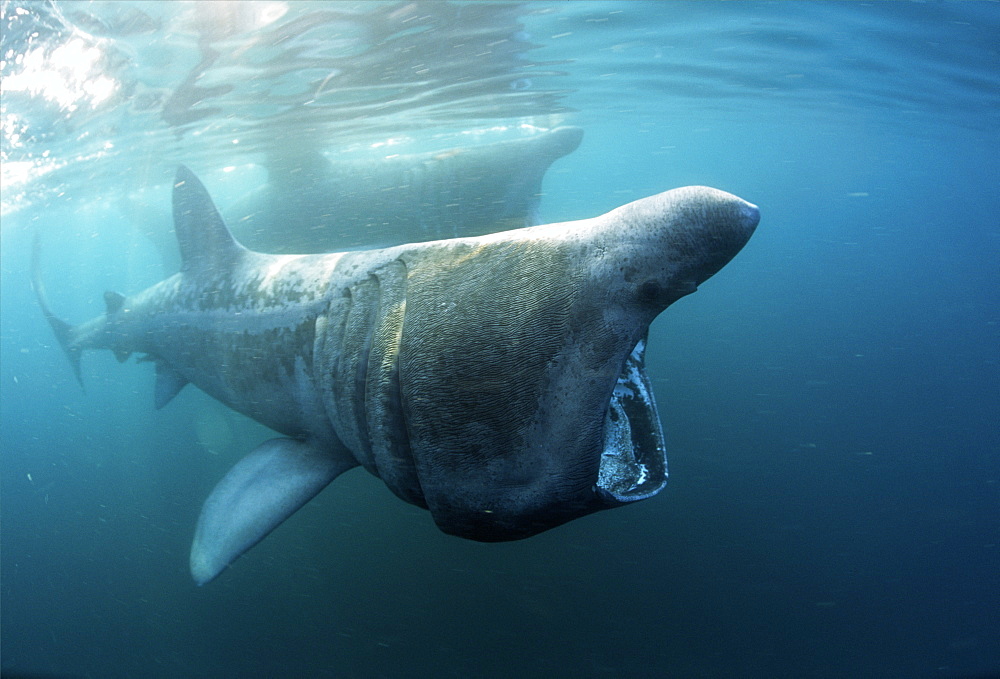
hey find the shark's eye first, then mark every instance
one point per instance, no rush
(650, 292)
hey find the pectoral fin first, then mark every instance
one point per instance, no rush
(168, 383)
(261, 491)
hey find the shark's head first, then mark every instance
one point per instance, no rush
(656, 251)
(522, 393)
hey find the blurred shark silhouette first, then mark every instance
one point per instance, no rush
(311, 204)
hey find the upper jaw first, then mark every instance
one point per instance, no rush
(634, 457)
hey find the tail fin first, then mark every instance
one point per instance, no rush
(63, 330)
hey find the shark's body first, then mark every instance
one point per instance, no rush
(497, 381)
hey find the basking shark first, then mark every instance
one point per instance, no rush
(497, 381)
(351, 204)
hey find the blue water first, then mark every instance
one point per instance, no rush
(831, 398)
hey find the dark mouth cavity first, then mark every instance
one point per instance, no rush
(634, 459)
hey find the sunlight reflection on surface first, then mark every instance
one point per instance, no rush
(69, 76)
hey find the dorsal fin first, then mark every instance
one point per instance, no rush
(113, 301)
(204, 239)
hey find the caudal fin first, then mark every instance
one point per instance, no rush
(62, 330)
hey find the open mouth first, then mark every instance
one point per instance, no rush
(634, 459)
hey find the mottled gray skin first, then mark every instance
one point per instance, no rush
(350, 204)
(496, 380)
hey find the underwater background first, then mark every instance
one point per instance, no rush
(831, 398)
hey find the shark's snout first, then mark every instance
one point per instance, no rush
(751, 216)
